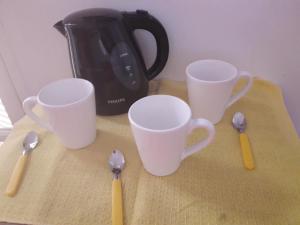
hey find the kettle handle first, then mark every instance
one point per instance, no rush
(143, 20)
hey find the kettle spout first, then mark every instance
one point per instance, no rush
(60, 27)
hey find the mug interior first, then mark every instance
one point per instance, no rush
(211, 70)
(65, 92)
(159, 113)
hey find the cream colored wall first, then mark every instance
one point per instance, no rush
(261, 36)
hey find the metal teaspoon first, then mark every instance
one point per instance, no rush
(117, 162)
(239, 123)
(30, 142)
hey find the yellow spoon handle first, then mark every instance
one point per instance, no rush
(246, 152)
(117, 204)
(16, 176)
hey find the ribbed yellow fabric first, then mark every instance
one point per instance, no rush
(67, 187)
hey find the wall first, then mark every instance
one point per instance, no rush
(261, 36)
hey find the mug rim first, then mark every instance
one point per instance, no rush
(189, 75)
(189, 117)
(84, 98)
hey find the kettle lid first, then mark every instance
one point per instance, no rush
(87, 16)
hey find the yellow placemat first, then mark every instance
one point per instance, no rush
(64, 187)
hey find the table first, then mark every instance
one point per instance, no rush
(64, 187)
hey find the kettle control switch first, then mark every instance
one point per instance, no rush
(125, 67)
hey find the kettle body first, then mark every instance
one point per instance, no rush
(103, 50)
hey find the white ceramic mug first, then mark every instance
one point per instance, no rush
(70, 107)
(210, 84)
(160, 125)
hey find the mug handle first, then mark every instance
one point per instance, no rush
(241, 93)
(28, 104)
(199, 123)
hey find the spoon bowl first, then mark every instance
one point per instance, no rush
(116, 161)
(239, 122)
(30, 142)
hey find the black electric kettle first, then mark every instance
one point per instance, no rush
(103, 50)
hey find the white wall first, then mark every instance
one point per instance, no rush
(262, 36)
